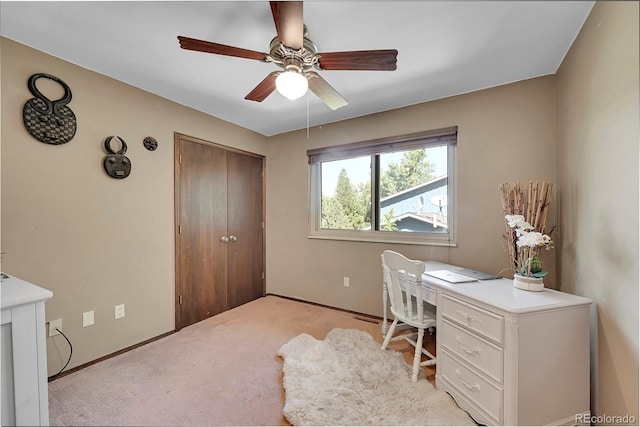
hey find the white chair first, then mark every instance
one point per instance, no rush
(402, 278)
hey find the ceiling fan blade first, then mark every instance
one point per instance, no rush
(324, 91)
(264, 88)
(287, 16)
(375, 60)
(220, 49)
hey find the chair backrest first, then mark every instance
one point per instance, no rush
(403, 279)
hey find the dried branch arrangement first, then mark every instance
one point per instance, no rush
(532, 202)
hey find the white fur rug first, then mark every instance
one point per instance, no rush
(347, 380)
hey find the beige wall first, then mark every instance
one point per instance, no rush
(96, 242)
(504, 134)
(93, 240)
(598, 157)
(596, 134)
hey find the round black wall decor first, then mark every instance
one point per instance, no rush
(150, 143)
(51, 122)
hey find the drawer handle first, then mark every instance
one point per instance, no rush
(469, 318)
(475, 386)
(466, 349)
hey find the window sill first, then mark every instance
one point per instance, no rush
(408, 239)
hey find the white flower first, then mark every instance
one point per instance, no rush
(518, 222)
(513, 220)
(533, 239)
(523, 228)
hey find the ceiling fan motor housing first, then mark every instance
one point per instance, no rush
(294, 59)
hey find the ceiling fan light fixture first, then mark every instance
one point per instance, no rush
(292, 84)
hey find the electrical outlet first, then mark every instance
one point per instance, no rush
(346, 282)
(87, 318)
(119, 311)
(53, 325)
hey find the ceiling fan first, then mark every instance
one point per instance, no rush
(296, 54)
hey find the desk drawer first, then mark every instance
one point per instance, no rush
(477, 352)
(429, 295)
(485, 323)
(474, 387)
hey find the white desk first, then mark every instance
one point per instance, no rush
(24, 356)
(509, 356)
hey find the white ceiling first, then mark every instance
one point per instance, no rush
(445, 48)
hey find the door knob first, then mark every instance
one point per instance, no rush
(224, 239)
(233, 238)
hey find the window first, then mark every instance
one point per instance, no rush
(397, 189)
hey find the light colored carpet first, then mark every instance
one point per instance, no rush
(346, 379)
(221, 371)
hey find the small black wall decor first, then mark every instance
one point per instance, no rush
(150, 143)
(51, 122)
(116, 164)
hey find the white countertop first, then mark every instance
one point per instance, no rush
(502, 294)
(14, 292)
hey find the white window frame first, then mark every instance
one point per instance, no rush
(433, 138)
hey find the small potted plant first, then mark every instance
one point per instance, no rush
(528, 267)
(525, 216)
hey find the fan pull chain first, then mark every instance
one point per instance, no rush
(307, 114)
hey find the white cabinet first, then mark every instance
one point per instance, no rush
(513, 357)
(24, 358)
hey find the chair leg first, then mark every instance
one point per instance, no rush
(417, 355)
(387, 339)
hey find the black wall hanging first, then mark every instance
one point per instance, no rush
(150, 143)
(116, 164)
(51, 122)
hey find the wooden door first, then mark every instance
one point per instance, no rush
(245, 228)
(202, 220)
(219, 229)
